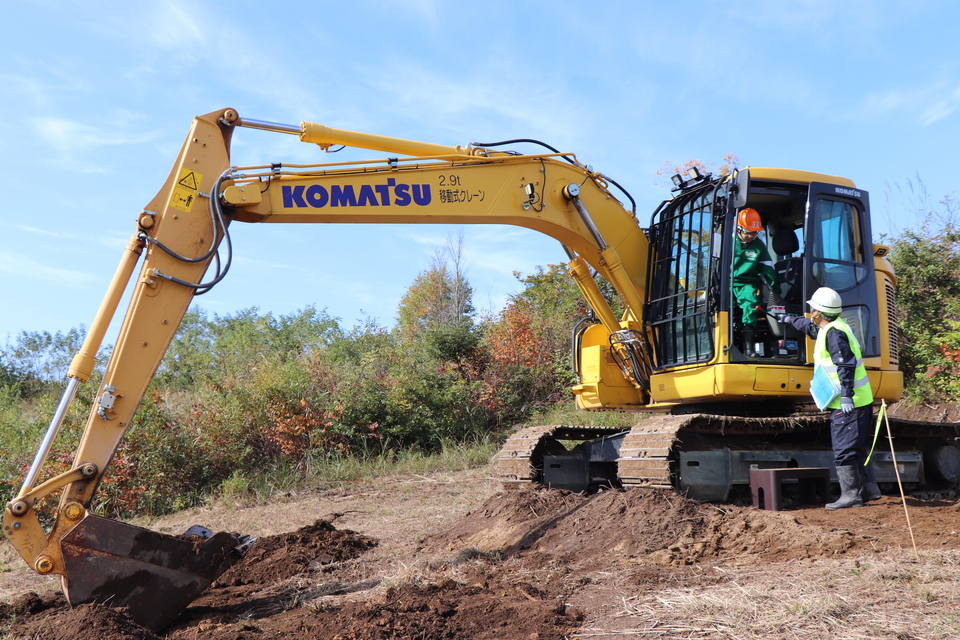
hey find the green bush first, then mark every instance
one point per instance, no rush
(927, 263)
(247, 395)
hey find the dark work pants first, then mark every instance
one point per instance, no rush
(849, 434)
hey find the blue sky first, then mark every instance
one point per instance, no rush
(98, 96)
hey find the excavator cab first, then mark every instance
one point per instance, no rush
(817, 234)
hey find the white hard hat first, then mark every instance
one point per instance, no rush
(826, 300)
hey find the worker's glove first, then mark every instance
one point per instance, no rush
(776, 311)
(781, 316)
(846, 405)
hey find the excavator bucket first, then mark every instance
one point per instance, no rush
(154, 575)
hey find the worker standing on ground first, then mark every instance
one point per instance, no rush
(752, 265)
(851, 417)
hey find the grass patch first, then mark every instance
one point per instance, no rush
(9, 558)
(807, 601)
(284, 478)
(567, 413)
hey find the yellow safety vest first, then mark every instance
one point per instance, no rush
(862, 393)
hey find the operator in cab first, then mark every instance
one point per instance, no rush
(752, 265)
(851, 412)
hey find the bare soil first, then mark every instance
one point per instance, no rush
(454, 556)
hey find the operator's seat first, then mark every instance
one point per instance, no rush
(790, 268)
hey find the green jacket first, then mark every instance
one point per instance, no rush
(751, 262)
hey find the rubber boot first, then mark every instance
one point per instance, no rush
(868, 483)
(748, 350)
(849, 477)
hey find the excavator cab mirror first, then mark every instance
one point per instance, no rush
(741, 188)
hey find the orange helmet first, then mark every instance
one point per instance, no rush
(749, 219)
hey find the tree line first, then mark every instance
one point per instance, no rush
(237, 393)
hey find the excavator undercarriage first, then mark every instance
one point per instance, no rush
(709, 457)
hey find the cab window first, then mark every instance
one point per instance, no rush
(836, 250)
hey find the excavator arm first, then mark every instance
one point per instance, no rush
(183, 237)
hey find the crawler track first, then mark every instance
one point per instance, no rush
(645, 452)
(649, 454)
(520, 460)
(648, 450)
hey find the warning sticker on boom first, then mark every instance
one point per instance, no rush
(186, 190)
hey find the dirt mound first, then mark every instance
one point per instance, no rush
(666, 528)
(277, 592)
(559, 523)
(48, 617)
(283, 556)
(450, 610)
(30, 604)
(446, 609)
(84, 621)
(615, 527)
(520, 564)
(946, 413)
(270, 563)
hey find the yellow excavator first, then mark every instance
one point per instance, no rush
(712, 406)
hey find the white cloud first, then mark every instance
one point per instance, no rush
(925, 104)
(477, 98)
(259, 264)
(20, 265)
(68, 135)
(77, 143)
(166, 25)
(425, 11)
(940, 109)
(177, 25)
(46, 232)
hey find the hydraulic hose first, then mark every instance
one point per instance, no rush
(221, 233)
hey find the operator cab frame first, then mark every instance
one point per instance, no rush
(817, 230)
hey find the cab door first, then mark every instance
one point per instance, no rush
(679, 314)
(839, 255)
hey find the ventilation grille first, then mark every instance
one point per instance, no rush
(892, 325)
